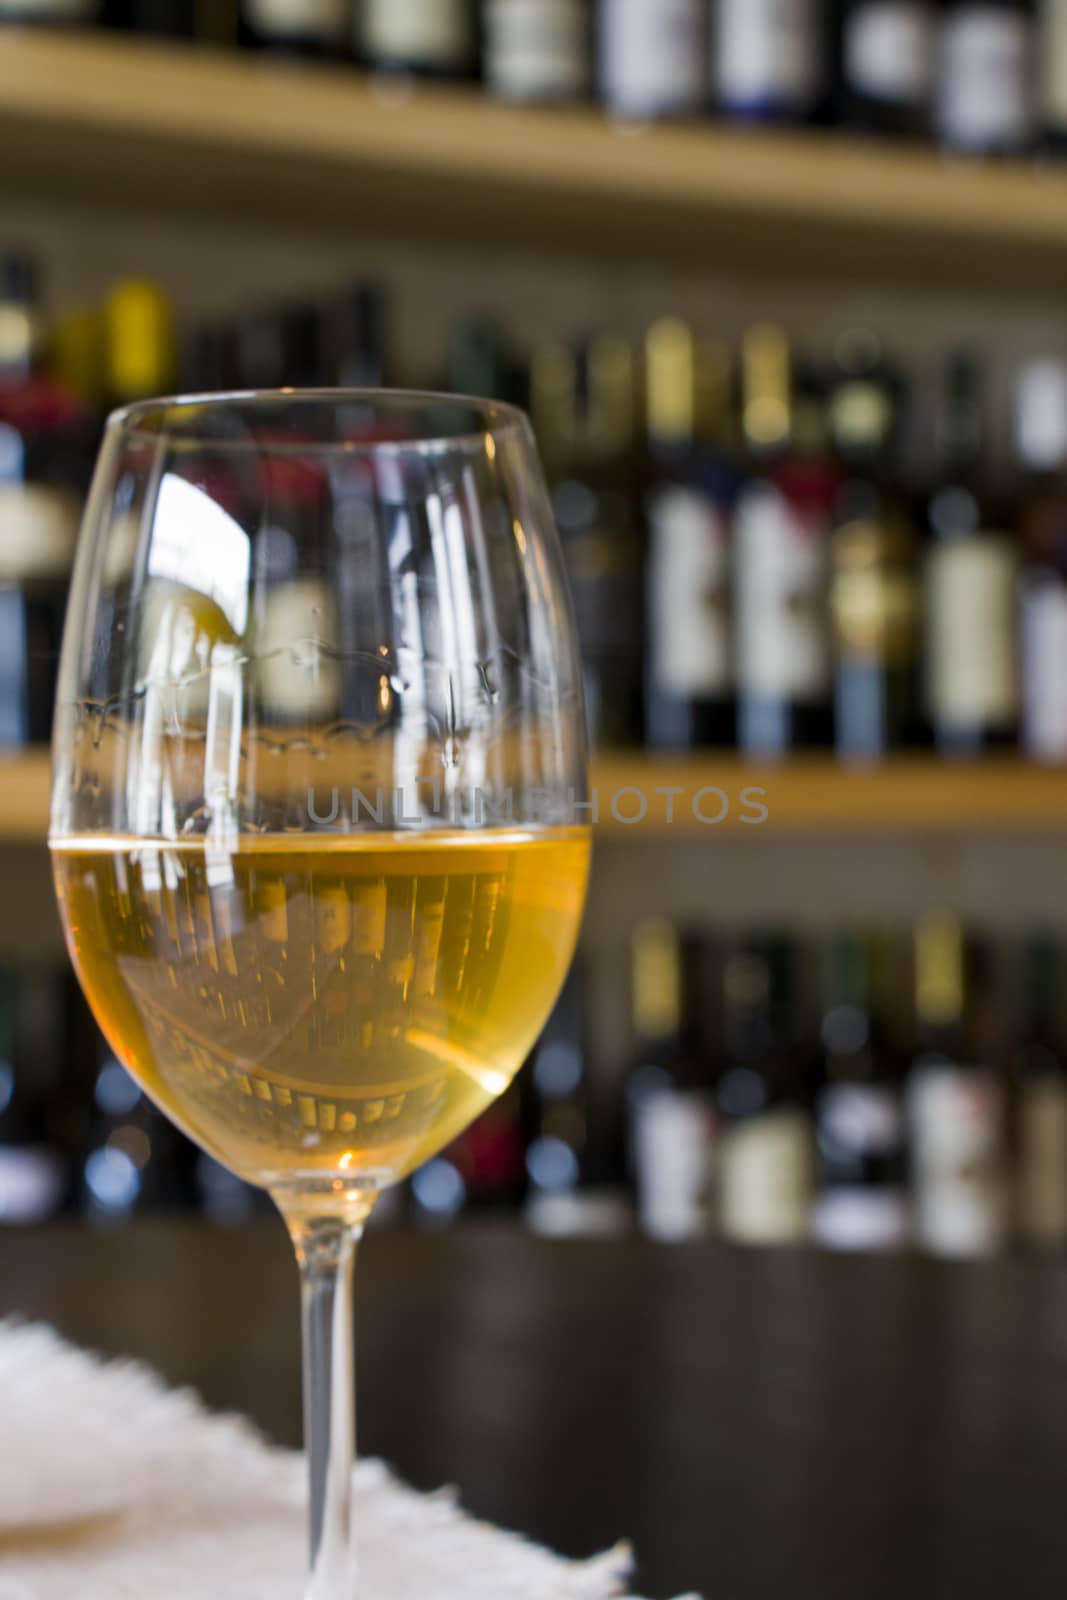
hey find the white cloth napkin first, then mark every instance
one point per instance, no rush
(113, 1487)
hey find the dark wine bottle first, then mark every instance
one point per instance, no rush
(690, 701)
(970, 587)
(33, 1177)
(1041, 449)
(299, 27)
(874, 585)
(1041, 1072)
(54, 13)
(1052, 75)
(781, 563)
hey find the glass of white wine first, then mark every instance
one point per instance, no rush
(318, 806)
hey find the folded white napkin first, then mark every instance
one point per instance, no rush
(113, 1487)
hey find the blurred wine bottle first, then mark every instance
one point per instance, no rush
(1042, 1088)
(652, 60)
(781, 563)
(859, 1110)
(435, 39)
(874, 592)
(766, 1145)
(584, 407)
(955, 1100)
(1052, 74)
(1041, 448)
(477, 360)
(887, 68)
(56, 13)
(670, 1109)
(969, 579)
(771, 59)
(538, 50)
(207, 21)
(690, 701)
(299, 27)
(354, 350)
(985, 92)
(574, 1185)
(33, 1179)
(139, 340)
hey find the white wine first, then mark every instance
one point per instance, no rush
(308, 1006)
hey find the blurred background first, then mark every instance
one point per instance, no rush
(780, 283)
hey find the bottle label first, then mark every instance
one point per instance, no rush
(438, 35)
(1044, 653)
(985, 99)
(1054, 65)
(1043, 1160)
(303, 19)
(890, 51)
(957, 1135)
(874, 604)
(783, 645)
(862, 1219)
(767, 1178)
(40, 526)
(537, 49)
(654, 58)
(770, 54)
(689, 596)
(971, 665)
(674, 1142)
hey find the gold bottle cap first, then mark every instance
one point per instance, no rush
(670, 382)
(767, 387)
(140, 340)
(939, 969)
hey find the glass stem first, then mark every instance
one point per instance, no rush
(326, 1253)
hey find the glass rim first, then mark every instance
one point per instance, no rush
(500, 419)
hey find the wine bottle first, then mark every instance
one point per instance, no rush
(299, 27)
(669, 1101)
(859, 1111)
(33, 1178)
(781, 562)
(140, 353)
(584, 410)
(985, 94)
(1041, 1071)
(477, 360)
(1052, 74)
(874, 590)
(21, 328)
(888, 60)
(653, 59)
(58, 13)
(970, 588)
(356, 337)
(1041, 448)
(955, 1101)
(429, 39)
(766, 1143)
(538, 50)
(771, 59)
(690, 686)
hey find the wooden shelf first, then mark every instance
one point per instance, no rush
(806, 797)
(88, 117)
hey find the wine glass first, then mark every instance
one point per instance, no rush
(318, 814)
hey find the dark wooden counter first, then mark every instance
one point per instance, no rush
(762, 1425)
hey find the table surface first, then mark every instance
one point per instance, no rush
(762, 1425)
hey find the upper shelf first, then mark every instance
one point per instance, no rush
(102, 117)
(709, 798)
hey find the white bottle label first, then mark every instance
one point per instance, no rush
(985, 89)
(970, 645)
(305, 19)
(689, 596)
(780, 567)
(770, 53)
(537, 49)
(957, 1119)
(426, 33)
(767, 1178)
(1044, 653)
(38, 529)
(1054, 65)
(1043, 1161)
(674, 1141)
(654, 58)
(890, 50)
